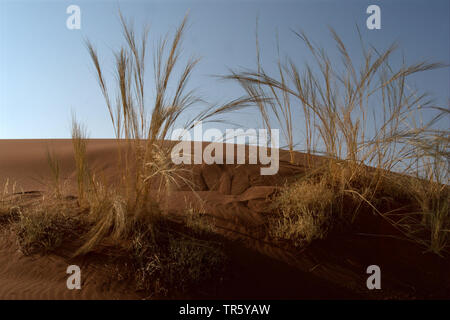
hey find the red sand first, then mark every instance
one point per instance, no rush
(236, 195)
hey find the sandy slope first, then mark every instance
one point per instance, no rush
(25, 161)
(44, 277)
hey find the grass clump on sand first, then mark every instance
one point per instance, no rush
(127, 213)
(326, 197)
(147, 173)
(44, 228)
(170, 262)
(305, 211)
(199, 221)
(358, 116)
(429, 221)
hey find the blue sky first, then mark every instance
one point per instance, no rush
(46, 71)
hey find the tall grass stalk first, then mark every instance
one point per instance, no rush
(79, 141)
(53, 164)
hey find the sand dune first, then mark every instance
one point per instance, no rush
(237, 196)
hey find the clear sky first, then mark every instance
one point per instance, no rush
(46, 70)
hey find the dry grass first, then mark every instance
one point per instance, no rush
(8, 207)
(167, 260)
(170, 261)
(327, 196)
(272, 101)
(43, 228)
(55, 171)
(337, 102)
(306, 209)
(337, 105)
(200, 222)
(79, 141)
(4, 195)
(430, 193)
(142, 131)
(172, 258)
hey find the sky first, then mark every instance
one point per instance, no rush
(46, 71)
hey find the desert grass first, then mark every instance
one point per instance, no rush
(362, 148)
(43, 227)
(199, 221)
(130, 214)
(143, 132)
(272, 102)
(170, 261)
(430, 193)
(306, 208)
(79, 141)
(6, 191)
(168, 257)
(55, 173)
(337, 103)
(9, 208)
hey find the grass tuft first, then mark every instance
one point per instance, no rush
(305, 212)
(171, 262)
(44, 228)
